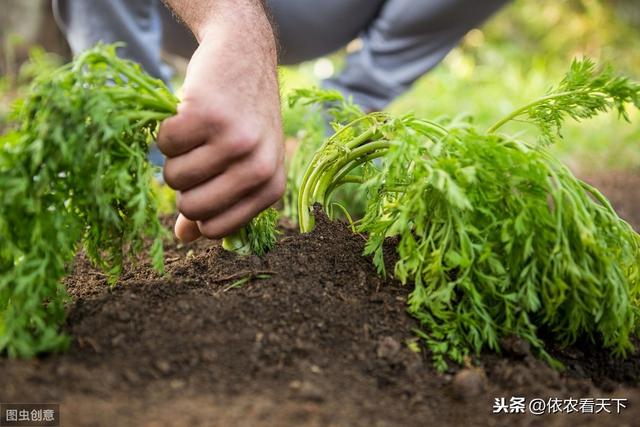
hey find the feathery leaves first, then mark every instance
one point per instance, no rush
(73, 170)
(585, 91)
(497, 236)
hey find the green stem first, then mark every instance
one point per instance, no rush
(519, 111)
(354, 159)
(352, 179)
(237, 242)
(439, 129)
(168, 103)
(342, 178)
(317, 167)
(145, 102)
(326, 172)
(322, 177)
(361, 138)
(143, 117)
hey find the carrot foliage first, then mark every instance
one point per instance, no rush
(74, 174)
(497, 237)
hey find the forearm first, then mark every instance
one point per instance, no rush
(201, 16)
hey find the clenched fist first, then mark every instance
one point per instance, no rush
(224, 147)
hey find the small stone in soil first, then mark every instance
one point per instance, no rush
(162, 366)
(117, 340)
(131, 377)
(468, 383)
(388, 348)
(307, 390)
(177, 384)
(208, 355)
(183, 305)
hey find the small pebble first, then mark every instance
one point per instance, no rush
(183, 305)
(177, 384)
(117, 340)
(306, 390)
(388, 348)
(468, 383)
(62, 370)
(131, 377)
(162, 366)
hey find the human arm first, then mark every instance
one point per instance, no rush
(224, 148)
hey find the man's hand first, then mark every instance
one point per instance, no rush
(224, 148)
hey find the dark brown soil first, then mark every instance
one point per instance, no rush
(313, 338)
(623, 190)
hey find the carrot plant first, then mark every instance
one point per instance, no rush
(74, 173)
(257, 237)
(317, 112)
(497, 236)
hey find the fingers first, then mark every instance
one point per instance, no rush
(232, 219)
(207, 160)
(186, 231)
(190, 128)
(242, 212)
(225, 190)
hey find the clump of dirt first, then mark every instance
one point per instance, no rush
(308, 335)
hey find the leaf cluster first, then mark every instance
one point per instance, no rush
(497, 236)
(73, 172)
(257, 237)
(584, 92)
(313, 114)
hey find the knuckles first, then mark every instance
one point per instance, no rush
(189, 207)
(262, 170)
(241, 144)
(211, 232)
(174, 177)
(229, 141)
(214, 229)
(205, 115)
(276, 189)
(181, 172)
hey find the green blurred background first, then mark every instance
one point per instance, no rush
(514, 58)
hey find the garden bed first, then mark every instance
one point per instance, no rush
(313, 337)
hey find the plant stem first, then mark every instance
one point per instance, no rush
(317, 167)
(237, 242)
(519, 111)
(354, 159)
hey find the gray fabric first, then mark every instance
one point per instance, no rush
(404, 42)
(402, 39)
(135, 22)
(308, 29)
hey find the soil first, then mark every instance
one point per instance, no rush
(310, 337)
(623, 190)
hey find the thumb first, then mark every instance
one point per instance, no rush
(186, 230)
